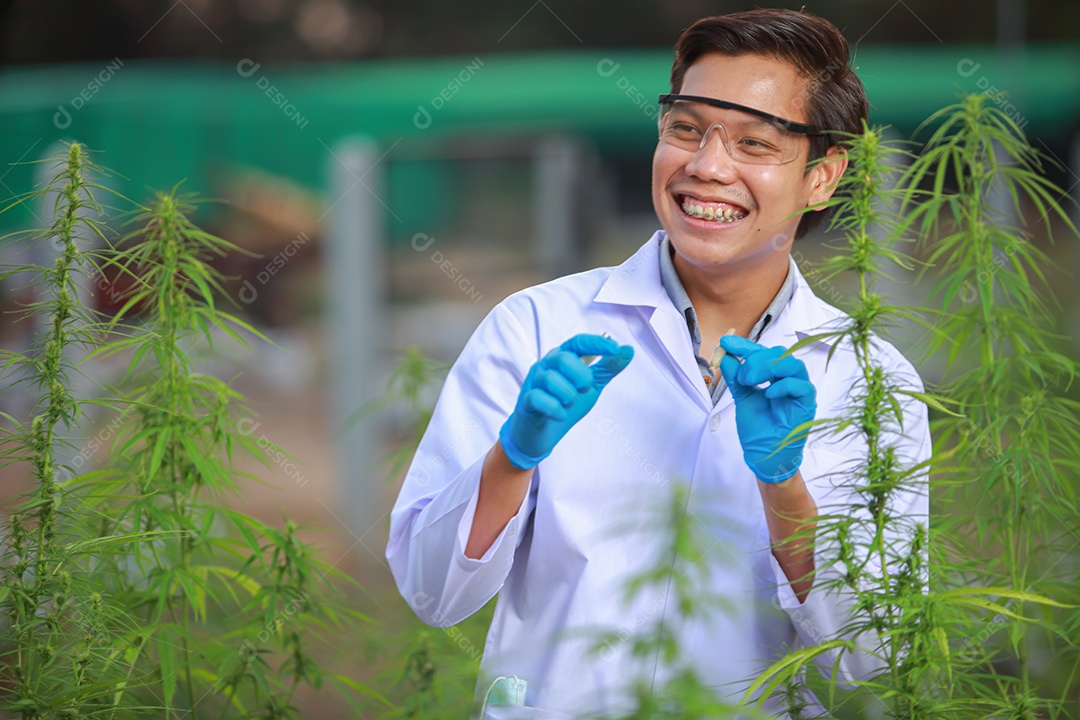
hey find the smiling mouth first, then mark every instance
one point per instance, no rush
(710, 211)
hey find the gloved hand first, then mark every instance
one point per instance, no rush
(558, 391)
(764, 417)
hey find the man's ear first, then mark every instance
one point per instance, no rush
(824, 176)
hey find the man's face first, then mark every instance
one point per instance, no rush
(761, 201)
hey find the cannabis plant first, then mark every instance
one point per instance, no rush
(1017, 441)
(129, 589)
(1005, 436)
(57, 654)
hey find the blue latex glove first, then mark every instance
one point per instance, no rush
(765, 416)
(558, 391)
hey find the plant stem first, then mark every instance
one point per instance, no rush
(58, 406)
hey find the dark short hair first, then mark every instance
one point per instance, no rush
(834, 96)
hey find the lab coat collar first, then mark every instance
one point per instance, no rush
(637, 283)
(804, 316)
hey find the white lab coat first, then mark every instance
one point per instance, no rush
(588, 522)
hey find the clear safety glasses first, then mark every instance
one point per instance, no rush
(749, 135)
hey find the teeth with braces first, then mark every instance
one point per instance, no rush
(708, 213)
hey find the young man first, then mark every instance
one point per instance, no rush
(535, 480)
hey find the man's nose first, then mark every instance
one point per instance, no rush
(713, 158)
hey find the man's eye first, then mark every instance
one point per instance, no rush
(684, 128)
(756, 145)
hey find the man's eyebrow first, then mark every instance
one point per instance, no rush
(688, 107)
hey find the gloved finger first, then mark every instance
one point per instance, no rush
(611, 366)
(793, 388)
(757, 368)
(590, 345)
(556, 385)
(571, 367)
(539, 403)
(738, 346)
(789, 366)
(770, 365)
(729, 368)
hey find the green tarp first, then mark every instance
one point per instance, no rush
(161, 122)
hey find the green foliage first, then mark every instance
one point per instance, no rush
(129, 590)
(434, 671)
(409, 384)
(1006, 435)
(59, 622)
(689, 554)
(1013, 459)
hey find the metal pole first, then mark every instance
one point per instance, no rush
(1011, 58)
(354, 292)
(558, 230)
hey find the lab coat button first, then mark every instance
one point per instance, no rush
(714, 422)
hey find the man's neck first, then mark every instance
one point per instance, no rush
(731, 299)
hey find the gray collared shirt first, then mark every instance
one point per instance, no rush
(675, 290)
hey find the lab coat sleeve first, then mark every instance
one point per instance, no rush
(828, 612)
(432, 518)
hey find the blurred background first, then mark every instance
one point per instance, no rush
(397, 168)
